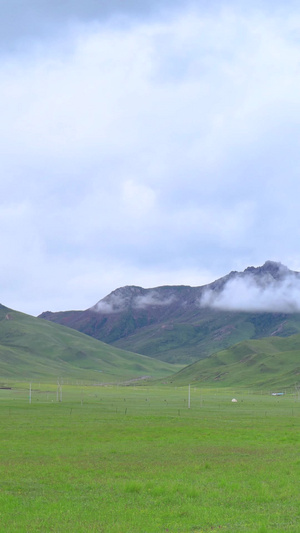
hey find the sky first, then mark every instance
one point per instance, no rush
(145, 143)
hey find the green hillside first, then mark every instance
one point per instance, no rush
(268, 362)
(186, 339)
(177, 334)
(32, 348)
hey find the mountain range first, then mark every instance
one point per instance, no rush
(183, 324)
(241, 330)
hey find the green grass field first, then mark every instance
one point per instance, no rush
(138, 460)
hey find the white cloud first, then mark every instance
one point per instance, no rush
(137, 299)
(247, 294)
(138, 199)
(152, 299)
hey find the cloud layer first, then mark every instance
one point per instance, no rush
(135, 298)
(146, 147)
(248, 294)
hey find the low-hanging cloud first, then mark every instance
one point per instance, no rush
(248, 293)
(124, 298)
(152, 299)
(113, 304)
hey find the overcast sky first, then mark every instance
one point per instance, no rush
(145, 143)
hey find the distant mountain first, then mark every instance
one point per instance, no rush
(31, 348)
(183, 324)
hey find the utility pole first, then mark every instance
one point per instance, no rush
(59, 390)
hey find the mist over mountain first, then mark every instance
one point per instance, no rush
(270, 288)
(136, 298)
(184, 324)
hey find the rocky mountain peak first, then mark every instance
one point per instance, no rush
(274, 269)
(119, 299)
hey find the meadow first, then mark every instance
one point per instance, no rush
(139, 460)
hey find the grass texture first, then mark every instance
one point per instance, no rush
(139, 460)
(269, 362)
(32, 348)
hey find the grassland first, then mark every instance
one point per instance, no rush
(269, 362)
(33, 348)
(138, 460)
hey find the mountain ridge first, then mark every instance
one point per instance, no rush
(180, 323)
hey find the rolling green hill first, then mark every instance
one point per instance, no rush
(31, 348)
(268, 362)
